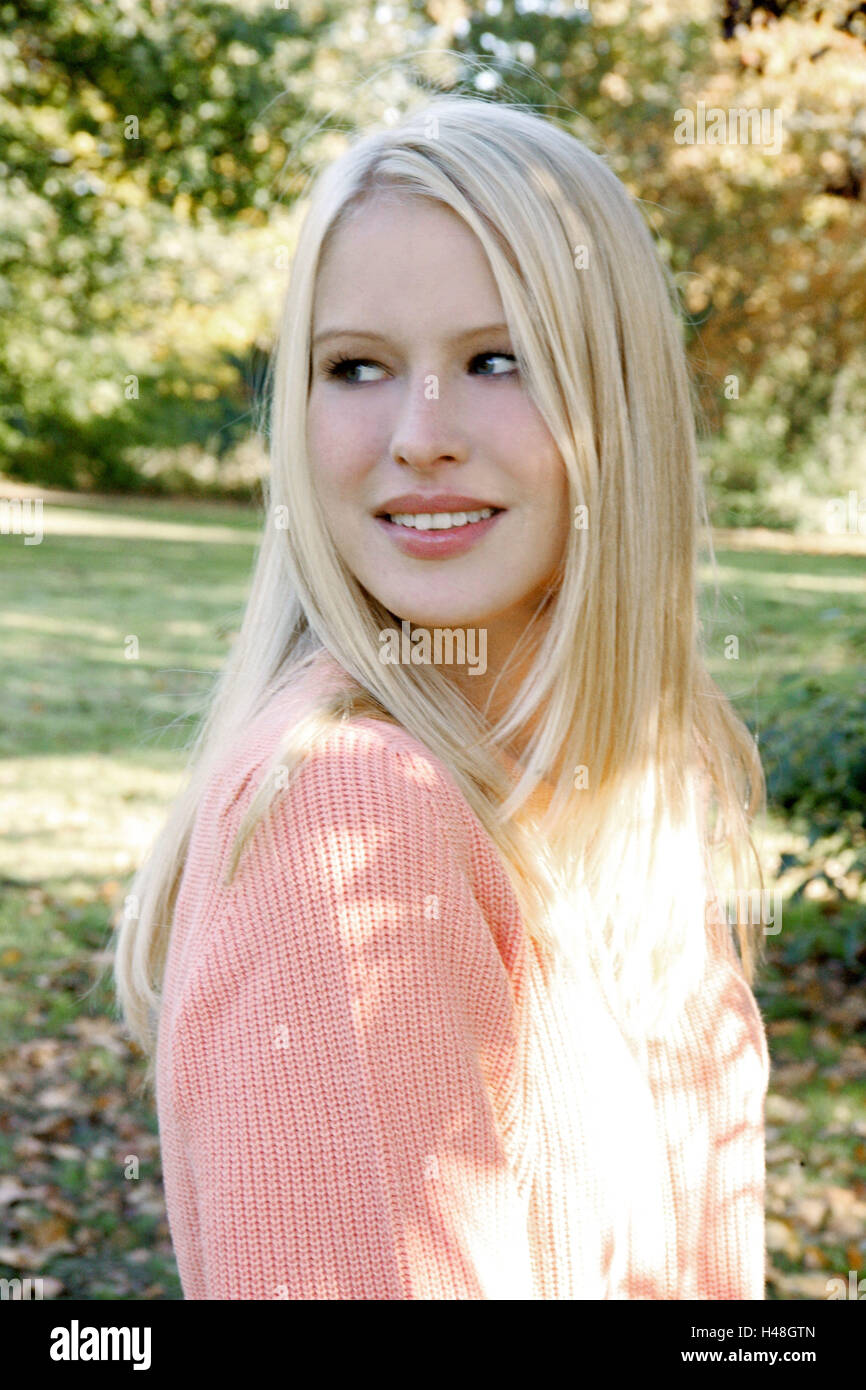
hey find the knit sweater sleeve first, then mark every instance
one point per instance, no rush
(343, 1054)
(710, 1082)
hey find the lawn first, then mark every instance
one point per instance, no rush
(112, 630)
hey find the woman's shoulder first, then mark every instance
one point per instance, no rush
(365, 762)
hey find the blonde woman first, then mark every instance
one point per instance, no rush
(442, 1011)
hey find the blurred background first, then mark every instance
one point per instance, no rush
(153, 164)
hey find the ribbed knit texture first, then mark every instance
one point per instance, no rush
(368, 1087)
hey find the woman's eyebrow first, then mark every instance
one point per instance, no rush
(381, 337)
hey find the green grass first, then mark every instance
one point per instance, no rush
(795, 615)
(91, 754)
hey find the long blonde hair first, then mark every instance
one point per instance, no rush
(651, 770)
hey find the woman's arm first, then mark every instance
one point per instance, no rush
(709, 1078)
(339, 1053)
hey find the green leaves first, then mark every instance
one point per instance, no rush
(814, 754)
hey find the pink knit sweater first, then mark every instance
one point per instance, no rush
(368, 1088)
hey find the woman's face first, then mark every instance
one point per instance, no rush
(431, 404)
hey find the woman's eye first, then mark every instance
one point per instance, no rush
(341, 368)
(485, 356)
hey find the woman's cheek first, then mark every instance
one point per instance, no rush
(357, 438)
(336, 446)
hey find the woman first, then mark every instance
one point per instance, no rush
(443, 1013)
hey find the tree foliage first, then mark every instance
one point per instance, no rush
(153, 155)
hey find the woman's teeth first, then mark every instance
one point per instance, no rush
(440, 521)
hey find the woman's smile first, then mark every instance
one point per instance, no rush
(438, 525)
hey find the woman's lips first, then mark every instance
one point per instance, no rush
(436, 544)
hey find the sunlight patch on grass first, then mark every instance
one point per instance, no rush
(67, 521)
(90, 817)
